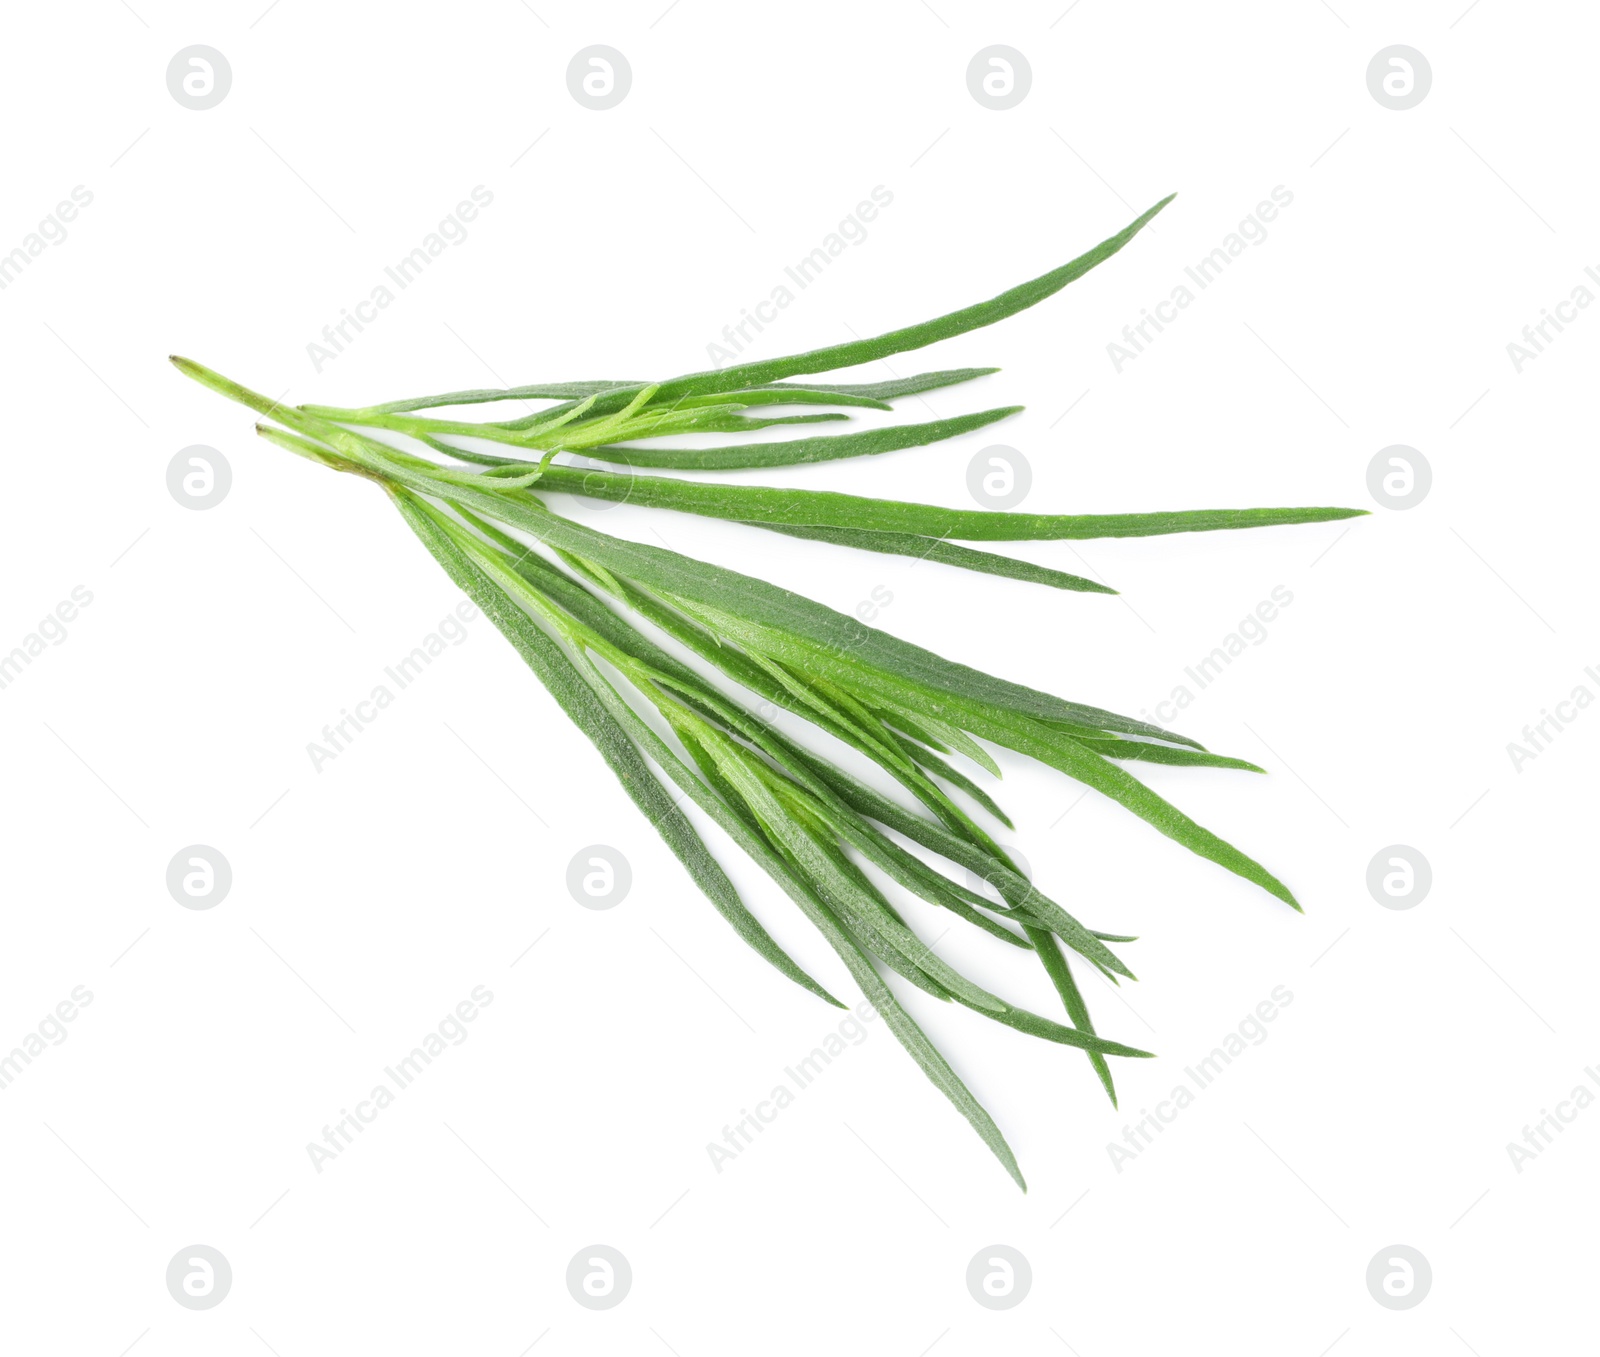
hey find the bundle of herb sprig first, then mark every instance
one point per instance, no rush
(597, 617)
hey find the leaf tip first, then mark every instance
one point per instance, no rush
(1277, 888)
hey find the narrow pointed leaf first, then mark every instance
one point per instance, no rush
(895, 389)
(1036, 1026)
(773, 505)
(1060, 972)
(942, 553)
(783, 395)
(1077, 761)
(933, 764)
(1007, 303)
(797, 451)
(1144, 752)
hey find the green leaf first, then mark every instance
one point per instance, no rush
(859, 351)
(1141, 751)
(940, 769)
(797, 451)
(891, 390)
(727, 419)
(1067, 754)
(942, 553)
(1060, 973)
(782, 395)
(774, 506)
(1036, 1026)
(952, 735)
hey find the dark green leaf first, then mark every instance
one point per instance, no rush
(1060, 973)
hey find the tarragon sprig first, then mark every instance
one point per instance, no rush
(575, 602)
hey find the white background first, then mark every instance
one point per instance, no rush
(372, 896)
